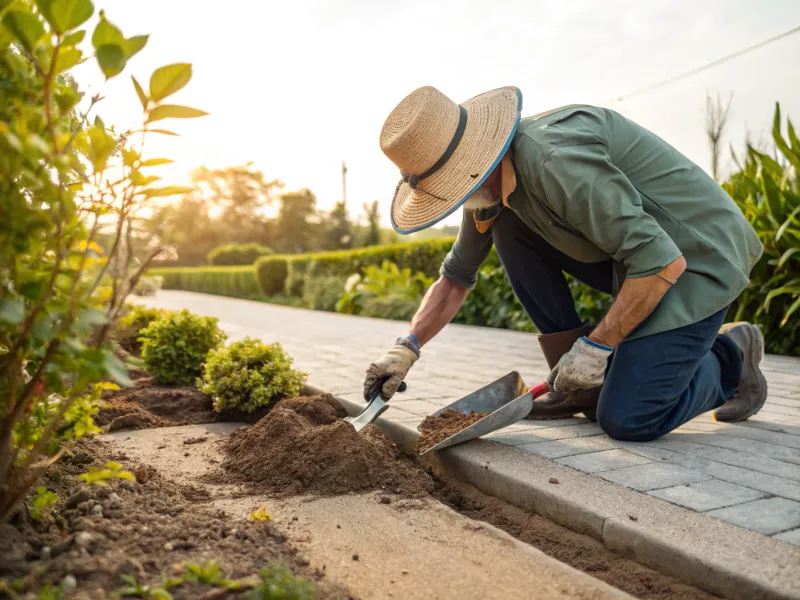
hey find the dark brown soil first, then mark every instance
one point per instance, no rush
(145, 531)
(289, 452)
(146, 405)
(435, 429)
(575, 549)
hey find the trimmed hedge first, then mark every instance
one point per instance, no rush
(271, 274)
(237, 254)
(238, 282)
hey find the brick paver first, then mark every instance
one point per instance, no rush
(746, 473)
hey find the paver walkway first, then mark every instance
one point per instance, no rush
(746, 473)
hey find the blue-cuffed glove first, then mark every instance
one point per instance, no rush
(582, 368)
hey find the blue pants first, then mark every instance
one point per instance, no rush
(653, 384)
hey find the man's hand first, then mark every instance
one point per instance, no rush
(582, 368)
(395, 365)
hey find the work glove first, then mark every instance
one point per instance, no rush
(389, 372)
(582, 368)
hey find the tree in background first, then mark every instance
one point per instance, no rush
(373, 236)
(297, 223)
(717, 116)
(338, 230)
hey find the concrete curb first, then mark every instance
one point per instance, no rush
(711, 554)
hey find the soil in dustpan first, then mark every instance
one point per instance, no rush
(303, 446)
(436, 429)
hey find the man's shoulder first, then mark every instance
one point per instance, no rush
(576, 123)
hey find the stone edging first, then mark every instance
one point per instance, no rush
(711, 554)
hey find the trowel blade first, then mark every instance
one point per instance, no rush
(374, 409)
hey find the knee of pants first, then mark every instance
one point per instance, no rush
(620, 425)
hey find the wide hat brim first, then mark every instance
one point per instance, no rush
(492, 121)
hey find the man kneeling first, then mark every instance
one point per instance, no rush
(585, 191)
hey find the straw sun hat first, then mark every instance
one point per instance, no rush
(445, 151)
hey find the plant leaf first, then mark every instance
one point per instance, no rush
(155, 162)
(111, 59)
(116, 370)
(74, 38)
(174, 111)
(24, 26)
(93, 316)
(786, 256)
(64, 15)
(167, 80)
(140, 93)
(66, 59)
(163, 132)
(106, 33)
(171, 190)
(789, 312)
(134, 44)
(780, 143)
(12, 311)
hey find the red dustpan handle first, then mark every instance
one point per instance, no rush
(539, 390)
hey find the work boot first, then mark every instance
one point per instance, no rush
(751, 394)
(562, 405)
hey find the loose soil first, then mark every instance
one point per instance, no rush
(97, 534)
(436, 429)
(577, 550)
(147, 405)
(302, 447)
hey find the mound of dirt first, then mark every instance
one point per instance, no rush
(435, 429)
(289, 454)
(317, 410)
(146, 406)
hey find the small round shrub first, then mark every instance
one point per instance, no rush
(271, 272)
(248, 374)
(129, 326)
(175, 347)
(237, 254)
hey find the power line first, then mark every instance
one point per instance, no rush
(700, 69)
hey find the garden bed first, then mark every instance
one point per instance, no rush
(349, 512)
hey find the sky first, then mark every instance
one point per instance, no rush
(297, 87)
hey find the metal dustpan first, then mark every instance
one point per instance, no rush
(508, 400)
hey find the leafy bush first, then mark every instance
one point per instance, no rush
(237, 254)
(248, 375)
(148, 285)
(236, 282)
(323, 292)
(381, 288)
(66, 182)
(768, 193)
(493, 304)
(297, 270)
(175, 346)
(279, 583)
(394, 306)
(129, 327)
(271, 272)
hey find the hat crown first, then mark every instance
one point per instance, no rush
(418, 131)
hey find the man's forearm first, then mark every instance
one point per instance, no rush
(636, 300)
(438, 307)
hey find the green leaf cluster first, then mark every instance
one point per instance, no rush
(248, 374)
(174, 347)
(386, 291)
(237, 254)
(767, 190)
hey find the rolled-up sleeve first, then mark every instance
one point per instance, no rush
(470, 250)
(582, 186)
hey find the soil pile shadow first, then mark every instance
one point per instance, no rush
(436, 429)
(147, 405)
(301, 447)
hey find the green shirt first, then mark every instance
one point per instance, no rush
(597, 186)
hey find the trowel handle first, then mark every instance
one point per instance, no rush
(539, 390)
(379, 384)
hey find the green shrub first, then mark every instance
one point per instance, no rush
(297, 270)
(237, 254)
(768, 193)
(323, 292)
(174, 347)
(67, 182)
(394, 306)
(271, 272)
(236, 282)
(279, 583)
(388, 283)
(148, 285)
(129, 327)
(248, 374)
